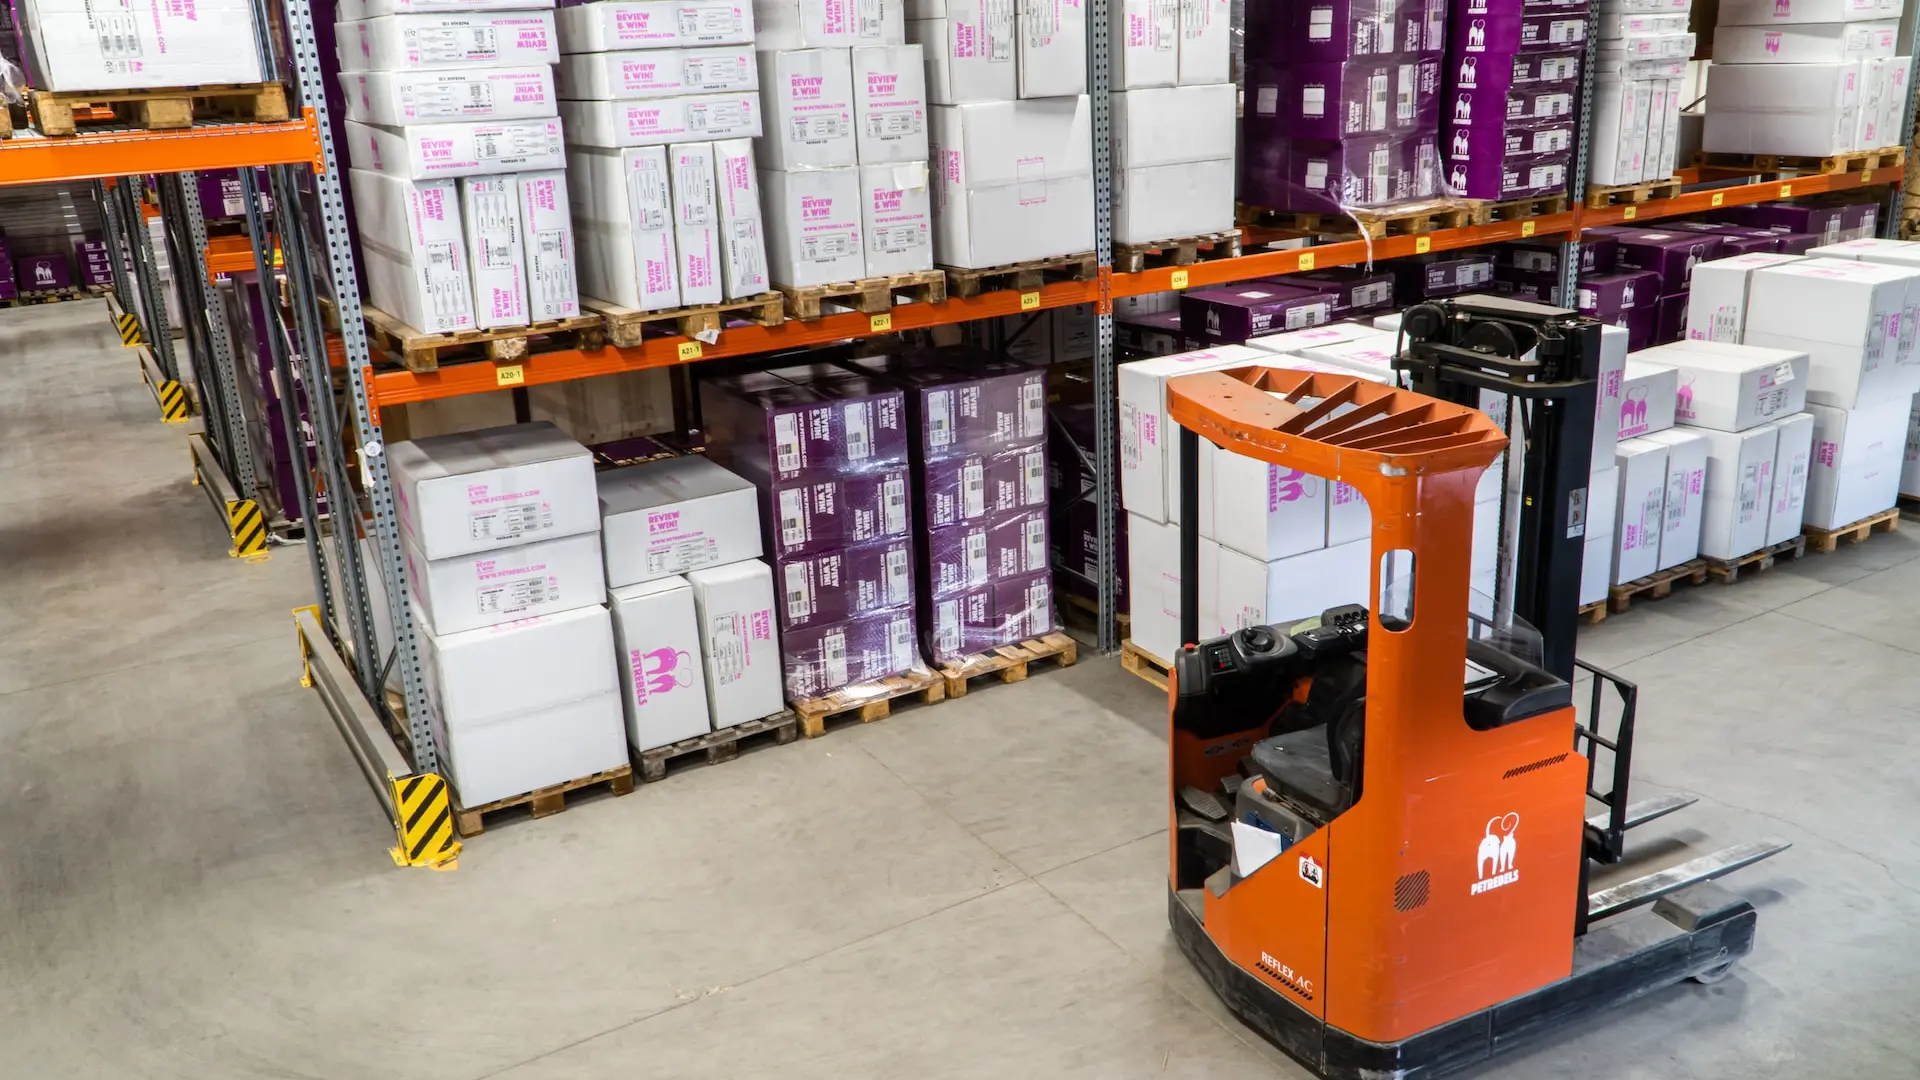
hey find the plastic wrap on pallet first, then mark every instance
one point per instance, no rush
(1073, 524)
(1316, 176)
(833, 656)
(989, 616)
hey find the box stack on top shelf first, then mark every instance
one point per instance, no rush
(455, 142)
(1512, 96)
(147, 44)
(1342, 108)
(661, 101)
(1810, 78)
(1642, 60)
(1173, 119)
(1010, 128)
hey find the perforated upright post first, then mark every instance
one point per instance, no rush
(1106, 485)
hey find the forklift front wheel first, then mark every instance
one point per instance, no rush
(1714, 974)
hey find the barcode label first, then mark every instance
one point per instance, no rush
(976, 555)
(900, 643)
(1749, 492)
(940, 418)
(833, 655)
(1403, 98)
(799, 591)
(973, 490)
(1036, 544)
(515, 596)
(726, 648)
(859, 438)
(946, 627)
(1036, 476)
(793, 517)
(893, 497)
(897, 583)
(1377, 92)
(119, 35)
(1033, 410)
(786, 443)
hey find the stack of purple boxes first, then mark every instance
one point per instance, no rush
(1530, 269)
(827, 447)
(248, 325)
(1441, 274)
(979, 449)
(96, 266)
(221, 195)
(1342, 104)
(1074, 515)
(1823, 224)
(42, 273)
(1512, 96)
(8, 290)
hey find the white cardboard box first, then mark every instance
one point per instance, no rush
(969, 53)
(1206, 40)
(1688, 490)
(828, 24)
(546, 226)
(659, 121)
(1149, 481)
(896, 218)
(1732, 387)
(626, 251)
(1647, 393)
(1169, 125)
(1781, 108)
(1904, 253)
(1621, 114)
(1804, 43)
(743, 232)
(658, 73)
(696, 222)
(613, 25)
(1186, 199)
(490, 216)
(673, 516)
(1153, 552)
(134, 44)
(1013, 180)
(1292, 341)
(1717, 298)
(1596, 564)
(396, 98)
(445, 151)
(1253, 593)
(350, 10)
(1643, 498)
(1612, 379)
(1910, 472)
(813, 226)
(1775, 13)
(455, 39)
(1854, 321)
(1265, 511)
(1603, 502)
(654, 633)
(417, 266)
(525, 705)
(809, 103)
(890, 103)
(1791, 460)
(484, 490)
(738, 641)
(1052, 48)
(1739, 490)
(1145, 43)
(466, 592)
(1857, 460)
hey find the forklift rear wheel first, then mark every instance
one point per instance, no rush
(1714, 974)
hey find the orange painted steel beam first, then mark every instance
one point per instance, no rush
(400, 387)
(1759, 191)
(231, 255)
(29, 158)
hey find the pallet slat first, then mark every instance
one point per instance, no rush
(1826, 541)
(1487, 211)
(1728, 571)
(1144, 664)
(868, 701)
(543, 802)
(869, 296)
(718, 746)
(161, 108)
(1851, 162)
(1410, 219)
(1600, 196)
(1595, 613)
(1180, 251)
(626, 326)
(423, 351)
(1656, 586)
(1009, 662)
(1024, 276)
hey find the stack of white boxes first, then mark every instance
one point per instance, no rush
(1011, 135)
(502, 536)
(1603, 482)
(452, 133)
(1650, 465)
(72, 45)
(1811, 77)
(1174, 120)
(844, 159)
(660, 101)
(1643, 50)
(683, 545)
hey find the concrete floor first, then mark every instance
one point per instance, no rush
(193, 880)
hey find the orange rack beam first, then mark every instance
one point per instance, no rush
(401, 387)
(231, 255)
(31, 158)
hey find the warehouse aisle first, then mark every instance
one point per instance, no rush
(192, 880)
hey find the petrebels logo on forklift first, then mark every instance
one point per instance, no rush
(1494, 861)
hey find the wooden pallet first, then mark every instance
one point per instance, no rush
(1409, 220)
(1909, 503)
(1144, 664)
(1085, 611)
(1021, 276)
(868, 701)
(1856, 161)
(1486, 212)
(626, 326)
(869, 296)
(1599, 196)
(541, 801)
(1594, 613)
(1825, 541)
(159, 109)
(1656, 586)
(718, 746)
(1180, 251)
(1728, 571)
(1009, 662)
(418, 350)
(47, 296)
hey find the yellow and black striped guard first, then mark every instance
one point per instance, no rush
(424, 817)
(129, 327)
(173, 402)
(248, 526)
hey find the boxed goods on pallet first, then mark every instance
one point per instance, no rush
(735, 606)
(42, 273)
(813, 226)
(1731, 387)
(1233, 313)
(1687, 504)
(425, 282)
(826, 24)
(1015, 181)
(696, 220)
(675, 515)
(1436, 275)
(624, 224)
(1149, 480)
(1649, 393)
(742, 224)
(1833, 99)
(444, 151)
(655, 631)
(1642, 506)
(1794, 219)
(399, 98)
(74, 45)
(890, 104)
(1792, 459)
(809, 109)
(1739, 489)
(1628, 299)
(496, 252)
(658, 121)
(1173, 162)
(1596, 555)
(1857, 460)
(485, 490)
(1050, 39)
(467, 592)
(657, 73)
(615, 25)
(1854, 320)
(1717, 307)
(1509, 117)
(423, 41)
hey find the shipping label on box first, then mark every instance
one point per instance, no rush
(1051, 45)
(447, 40)
(440, 151)
(397, 98)
(547, 231)
(890, 104)
(655, 633)
(490, 212)
(466, 592)
(136, 44)
(422, 277)
(738, 640)
(658, 73)
(613, 25)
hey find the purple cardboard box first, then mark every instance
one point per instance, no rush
(1604, 296)
(1339, 30)
(1490, 109)
(1489, 171)
(1157, 334)
(808, 516)
(1734, 239)
(1799, 243)
(40, 273)
(1502, 73)
(1333, 101)
(1539, 286)
(1428, 277)
(7, 291)
(1825, 222)
(92, 274)
(953, 490)
(962, 557)
(780, 432)
(1509, 29)
(220, 195)
(1672, 253)
(1317, 176)
(1859, 221)
(1235, 313)
(1076, 548)
(872, 413)
(1596, 254)
(979, 619)
(1355, 290)
(961, 400)
(823, 658)
(1670, 320)
(832, 586)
